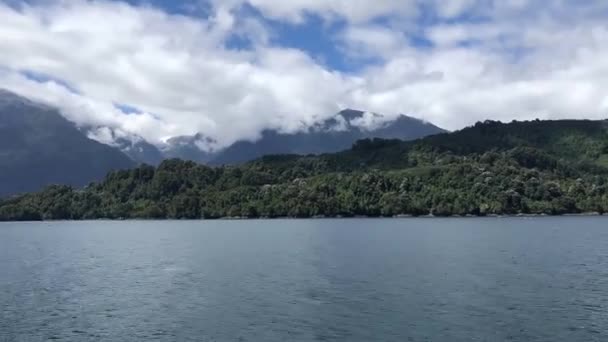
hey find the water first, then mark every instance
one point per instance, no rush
(516, 279)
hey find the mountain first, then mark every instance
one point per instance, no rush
(39, 147)
(492, 168)
(332, 135)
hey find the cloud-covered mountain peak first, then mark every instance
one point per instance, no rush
(336, 133)
(331, 135)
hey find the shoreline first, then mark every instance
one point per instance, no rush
(396, 217)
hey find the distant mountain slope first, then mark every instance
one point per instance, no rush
(333, 135)
(571, 142)
(39, 147)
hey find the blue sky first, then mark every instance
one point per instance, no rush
(314, 34)
(230, 68)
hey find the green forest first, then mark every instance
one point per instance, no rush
(492, 168)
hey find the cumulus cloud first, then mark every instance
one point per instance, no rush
(502, 68)
(509, 60)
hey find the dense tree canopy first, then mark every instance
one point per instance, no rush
(538, 167)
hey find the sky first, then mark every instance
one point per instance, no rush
(228, 69)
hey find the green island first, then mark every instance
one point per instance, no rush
(492, 168)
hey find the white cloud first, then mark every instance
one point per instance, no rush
(518, 62)
(453, 8)
(372, 41)
(352, 10)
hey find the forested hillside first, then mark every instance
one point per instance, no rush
(538, 167)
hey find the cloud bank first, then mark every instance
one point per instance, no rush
(140, 69)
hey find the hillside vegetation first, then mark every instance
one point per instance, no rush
(492, 168)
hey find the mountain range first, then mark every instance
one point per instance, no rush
(38, 146)
(492, 168)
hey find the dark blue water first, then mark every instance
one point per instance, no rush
(516, 279)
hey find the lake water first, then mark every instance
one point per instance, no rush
(509, 279)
